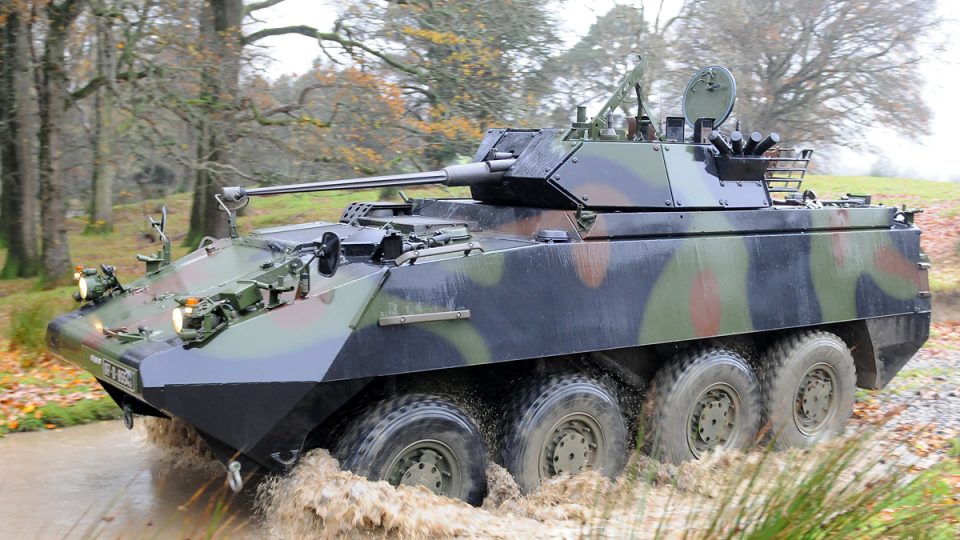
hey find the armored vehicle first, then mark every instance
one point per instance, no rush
(593, 268)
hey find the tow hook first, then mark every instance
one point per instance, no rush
(128, 416)
(234, 480)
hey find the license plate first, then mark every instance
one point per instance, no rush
(122, 375)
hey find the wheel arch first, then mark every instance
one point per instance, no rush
(857, 337)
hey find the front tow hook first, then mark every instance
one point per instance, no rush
(234, 479)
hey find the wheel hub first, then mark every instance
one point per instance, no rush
(424, 463)
(713, 418)
(815, 399)
(573, 446)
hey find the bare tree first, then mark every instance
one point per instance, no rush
(814, 69)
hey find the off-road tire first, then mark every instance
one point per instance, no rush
(785, 367)
(534, 412)
(682, 384)
(376, 438)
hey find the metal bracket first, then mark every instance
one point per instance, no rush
(412, 256)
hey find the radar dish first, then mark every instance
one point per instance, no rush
(710, 94)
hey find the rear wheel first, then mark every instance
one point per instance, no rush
(563, 424)
(705, 399)
(809, 386)
(418, 440)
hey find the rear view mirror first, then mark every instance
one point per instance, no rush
(328, 255)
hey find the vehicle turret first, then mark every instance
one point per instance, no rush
(595, 166)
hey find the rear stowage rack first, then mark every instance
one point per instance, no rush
(787, 168)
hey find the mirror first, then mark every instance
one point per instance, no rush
(328, 254)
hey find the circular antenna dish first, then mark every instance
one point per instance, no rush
(710, 94)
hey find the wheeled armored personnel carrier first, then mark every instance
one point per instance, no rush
(592, 268)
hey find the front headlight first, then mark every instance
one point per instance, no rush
(178, 320)
(82, 285)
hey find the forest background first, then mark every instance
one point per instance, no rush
(105, 102)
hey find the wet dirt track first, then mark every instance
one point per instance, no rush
(102, 480)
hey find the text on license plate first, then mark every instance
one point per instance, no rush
(121, 375)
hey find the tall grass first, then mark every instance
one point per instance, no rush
(858, 487)
(28, 328)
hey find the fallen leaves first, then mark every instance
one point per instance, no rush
(27, 394)
(941, 242)
(944, 336)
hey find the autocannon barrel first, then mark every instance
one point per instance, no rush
(468, 174)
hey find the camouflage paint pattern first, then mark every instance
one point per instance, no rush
(626, 276)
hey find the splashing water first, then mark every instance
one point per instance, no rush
(318, 500)
(177, 443)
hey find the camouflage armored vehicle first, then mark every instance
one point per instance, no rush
(591, 268)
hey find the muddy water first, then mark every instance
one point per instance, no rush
(102, 480)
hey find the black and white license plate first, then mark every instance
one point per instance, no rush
(122, 375)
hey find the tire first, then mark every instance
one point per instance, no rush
(568, 410)
(693, 393)
(418, 439)
(799, 371)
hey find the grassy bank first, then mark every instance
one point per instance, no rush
(39, 392)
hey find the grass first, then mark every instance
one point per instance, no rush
(81, 412)
(890, 191)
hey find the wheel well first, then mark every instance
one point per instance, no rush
(857, 338)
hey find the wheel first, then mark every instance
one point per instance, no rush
(420, 440)
(809, 385)
(563, 424)
(704, 399)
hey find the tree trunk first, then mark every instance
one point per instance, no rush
(52, 93)
(104, 171)
(221, 30)
(16, 150)
(7, 148)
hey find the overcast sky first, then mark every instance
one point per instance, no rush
(920, 155)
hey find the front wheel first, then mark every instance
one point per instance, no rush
(418, 440)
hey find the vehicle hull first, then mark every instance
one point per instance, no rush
(258, 388)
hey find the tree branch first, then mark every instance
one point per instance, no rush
(346, 43)
(250, 8)
(96, 82)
